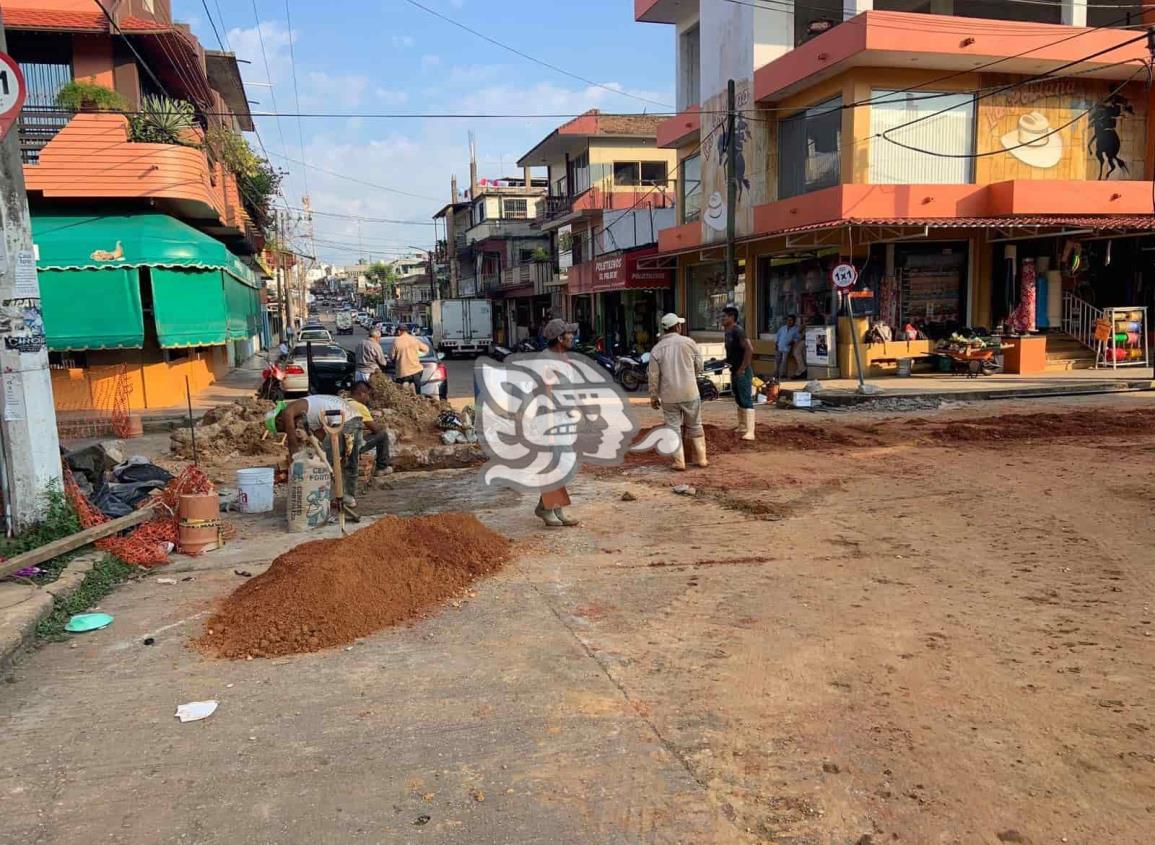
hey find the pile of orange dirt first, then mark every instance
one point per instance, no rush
(1045, 427)
(330, 592)
(412, 417)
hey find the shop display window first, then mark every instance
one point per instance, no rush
(794, 285)
(707, 294)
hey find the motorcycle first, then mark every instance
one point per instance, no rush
(272, 381)
(499, 353)
(632, 373)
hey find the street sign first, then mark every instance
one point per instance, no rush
(12, 91)
(844, 276)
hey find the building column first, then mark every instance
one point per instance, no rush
(850, 8)
(1074, 12)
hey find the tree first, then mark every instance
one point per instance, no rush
(381, 274)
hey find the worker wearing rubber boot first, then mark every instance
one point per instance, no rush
(558, 335)
(675, 364)
(740, 357)
(307, 415)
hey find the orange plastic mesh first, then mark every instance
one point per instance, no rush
(146, 545)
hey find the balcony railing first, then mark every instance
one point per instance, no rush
(490, 281)
(37, 126)
(556, 206)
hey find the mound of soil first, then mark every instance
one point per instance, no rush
(330, 592)
(234, 429)
(1042, 427)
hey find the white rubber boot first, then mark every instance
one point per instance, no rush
(680, 457)
(749, 432)
(741, 427)
(698, 447)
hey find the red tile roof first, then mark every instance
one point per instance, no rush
(57, 20)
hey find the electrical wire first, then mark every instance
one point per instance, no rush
(533, 59)
(364, 219)
(356, 180)
(269, 73)
(224, 27)
(213, 24)
(296, 95)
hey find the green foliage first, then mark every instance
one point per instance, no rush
(163, 120)
(380, 273)
(540, 254)
(59, 521)
(88, 96)
(259, 181)
(105, 575)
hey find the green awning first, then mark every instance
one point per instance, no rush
(148, 239)
(239, 298)
(189, 307)
(92, 309)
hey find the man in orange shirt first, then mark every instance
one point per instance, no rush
(406, 355)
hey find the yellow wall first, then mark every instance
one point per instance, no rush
(151, 384)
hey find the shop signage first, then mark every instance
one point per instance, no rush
(844, 276)
(12, 91)
(1102, 330)
(618, 271)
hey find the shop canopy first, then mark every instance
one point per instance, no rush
(90, 285)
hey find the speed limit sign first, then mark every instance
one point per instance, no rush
(12, 90)
(844, 276)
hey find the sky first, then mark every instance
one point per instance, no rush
(358, 58)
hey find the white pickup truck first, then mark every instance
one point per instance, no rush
(344, 322)
(462, 326)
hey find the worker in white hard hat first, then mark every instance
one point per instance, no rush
(675, 365)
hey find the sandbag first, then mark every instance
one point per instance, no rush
(310, 491)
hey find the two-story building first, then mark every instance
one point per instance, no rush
(979, 164)
(413, 289)
(146, 235)
(611, 190)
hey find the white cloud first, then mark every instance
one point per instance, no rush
(391, 97)
(403, 40)
(430, 61)
(457, 4)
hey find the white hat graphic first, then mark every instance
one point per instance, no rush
(1033, 141)
(715, 216)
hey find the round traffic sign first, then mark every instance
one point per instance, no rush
(12, 90)
(844, 276)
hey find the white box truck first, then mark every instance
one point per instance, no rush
(462, 326)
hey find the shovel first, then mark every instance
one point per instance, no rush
(334, 424)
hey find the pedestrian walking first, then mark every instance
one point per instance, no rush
(675, 364)
(551, 505)
(370, 356)
(740, 358)
(406, 357)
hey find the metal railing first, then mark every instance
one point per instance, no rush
(1117, 336)
(37, 126)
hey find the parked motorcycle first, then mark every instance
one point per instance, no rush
(272, 381)
(632, 373)
(499, 353)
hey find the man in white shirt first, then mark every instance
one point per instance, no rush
(675, 364)
(308, 414)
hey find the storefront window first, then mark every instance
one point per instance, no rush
(931, 281)
(691, 187)
(810, 149)
(794, 285)
(707, 294)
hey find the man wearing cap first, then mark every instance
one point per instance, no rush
(406, 357)
(675, 364)
(308, 414)
(558, 335)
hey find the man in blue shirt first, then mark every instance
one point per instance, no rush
(787, 336)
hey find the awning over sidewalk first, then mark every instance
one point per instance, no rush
(202, 293)
(619, 271)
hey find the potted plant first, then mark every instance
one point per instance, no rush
(80, 96)
(162, 120)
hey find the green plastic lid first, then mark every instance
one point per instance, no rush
(84, 622)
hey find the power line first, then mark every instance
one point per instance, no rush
(132, 47)
(356, 180)
(365, 219)
(528, 57)
(221, 15)
(296, 93)
(269, 73)
(213, 24)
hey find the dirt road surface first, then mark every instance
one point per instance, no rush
(930, 628)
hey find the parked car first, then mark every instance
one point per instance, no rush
(333, 366)
(434, 377)
(344, 323)
(315, 334)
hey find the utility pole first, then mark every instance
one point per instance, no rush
(731, 187)
(28, 440)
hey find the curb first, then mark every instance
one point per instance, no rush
(18, 619)
(1091, 388)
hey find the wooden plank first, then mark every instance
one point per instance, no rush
(74, 541)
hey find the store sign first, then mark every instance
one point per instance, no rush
(844, 276)
(618, 271)
(12, 92)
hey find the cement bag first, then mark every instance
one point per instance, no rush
(310, 489)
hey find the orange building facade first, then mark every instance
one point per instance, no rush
(955, 160)
(86, 164)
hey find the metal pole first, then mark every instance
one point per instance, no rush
(31, 447)
(731, 187)
(192, 429)
(854, 338)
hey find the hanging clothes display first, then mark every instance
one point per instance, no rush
(1023, 318)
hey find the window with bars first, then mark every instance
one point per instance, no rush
(515, 209)
(810, 149)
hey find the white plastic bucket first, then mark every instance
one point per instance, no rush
(255, 490)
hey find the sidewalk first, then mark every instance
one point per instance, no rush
(237, 384)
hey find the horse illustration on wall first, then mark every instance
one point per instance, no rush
(1105, 142)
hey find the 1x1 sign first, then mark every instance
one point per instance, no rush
(12, 91)
(844, 276)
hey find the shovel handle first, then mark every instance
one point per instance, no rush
(329, 426)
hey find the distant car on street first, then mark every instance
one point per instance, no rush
(344, 323)
(434, 376)
(316, 334)
(334, 369)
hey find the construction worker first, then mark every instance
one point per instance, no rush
(675, 364)
(551, 505)
(406, 357)
(370, 356)
(308, 414)
(378, 439)
(740, 357)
